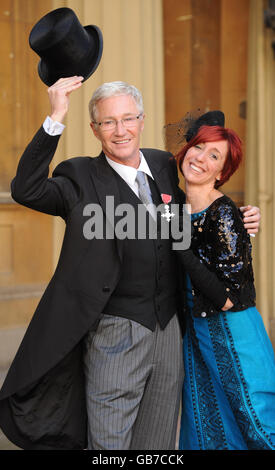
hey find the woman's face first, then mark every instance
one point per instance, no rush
(203, 163)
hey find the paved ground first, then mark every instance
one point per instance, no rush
(5, 444)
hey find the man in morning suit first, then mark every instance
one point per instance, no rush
(104, 344)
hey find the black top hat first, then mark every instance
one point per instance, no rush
(211, 118)
(66, 47)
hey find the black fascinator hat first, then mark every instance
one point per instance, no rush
(185, 129)
(65, 47)
(211, 118)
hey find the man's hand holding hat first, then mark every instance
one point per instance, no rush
(59, 94)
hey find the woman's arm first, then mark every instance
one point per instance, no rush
(221, 281)
(204, 280)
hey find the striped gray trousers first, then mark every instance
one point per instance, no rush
(133, 384)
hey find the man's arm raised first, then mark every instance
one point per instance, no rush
(31, 186)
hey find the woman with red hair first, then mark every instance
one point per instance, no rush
(229, 386)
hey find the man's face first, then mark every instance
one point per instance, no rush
(122, 142)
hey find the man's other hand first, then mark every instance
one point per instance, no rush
(251, 218)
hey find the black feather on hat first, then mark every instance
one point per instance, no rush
(211, 118)
(184, 130)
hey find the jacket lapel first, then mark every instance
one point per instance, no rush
(161, 175)
(107, 191)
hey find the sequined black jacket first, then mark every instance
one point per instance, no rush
(219, 260)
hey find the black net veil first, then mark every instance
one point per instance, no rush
(174, 134)
(177, 134)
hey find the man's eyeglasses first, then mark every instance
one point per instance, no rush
(109, 124)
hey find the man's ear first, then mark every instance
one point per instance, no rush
(94, 129)
(142, 125)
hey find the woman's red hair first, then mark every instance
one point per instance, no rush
(215, 134)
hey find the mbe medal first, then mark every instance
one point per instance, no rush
(166, 198)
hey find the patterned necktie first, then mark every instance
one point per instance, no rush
(145, 193)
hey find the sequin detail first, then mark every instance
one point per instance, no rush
(220, 240)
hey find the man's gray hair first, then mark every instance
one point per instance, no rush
(114, 89)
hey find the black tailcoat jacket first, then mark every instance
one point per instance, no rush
(42, 401)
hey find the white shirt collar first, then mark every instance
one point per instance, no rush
(128, 173)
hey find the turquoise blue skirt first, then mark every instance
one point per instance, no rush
(229, 387)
